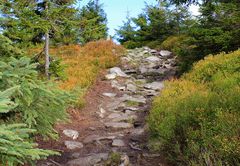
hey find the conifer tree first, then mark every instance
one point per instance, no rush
(93, 22)
(32, 21)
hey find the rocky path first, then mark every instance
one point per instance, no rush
(111, 129)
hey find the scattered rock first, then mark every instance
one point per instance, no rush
(166, 53)
(137, 131)
(73, 145)
(92, 138)
(88, 160)
(153, 59)
(110, 76)
(115, 84)
(154, 85)
(138, 99)
(117, 71)
(118, 143)
(92, 128)
(118, 125)
(109, 94)
(131, 87)
(71, 133)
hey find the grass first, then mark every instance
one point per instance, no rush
(84, 63)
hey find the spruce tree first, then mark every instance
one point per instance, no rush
(33, 21)
(93, 22)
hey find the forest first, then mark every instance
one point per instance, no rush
(56, 53)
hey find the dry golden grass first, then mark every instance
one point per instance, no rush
(83, 63)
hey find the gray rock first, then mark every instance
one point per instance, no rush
(118, 125)
(165, 53)
(152, 59)
(118, 72)
(71, 133)
(93, 138)
(131, 87)
(118, 143)
(73, 145)
(115, 84)
(154, 85)
(138, 99)
(88, 160)
(114, 115)
(143, 69)
(109, 94)
(137, 131)
(110, 76)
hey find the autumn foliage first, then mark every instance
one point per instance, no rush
(84, 63)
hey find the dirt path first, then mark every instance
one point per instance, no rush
(111, 130)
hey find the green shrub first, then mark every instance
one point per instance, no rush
(196, 120)
(132, 44)
(173, 42)
(40, 105)
(15, 144)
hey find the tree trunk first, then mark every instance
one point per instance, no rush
(47, 60)
(46, 49)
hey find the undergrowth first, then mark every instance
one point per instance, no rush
(196, 119)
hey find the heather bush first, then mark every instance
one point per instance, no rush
(196, 119)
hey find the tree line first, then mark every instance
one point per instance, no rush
(51, 22)
(170, 25)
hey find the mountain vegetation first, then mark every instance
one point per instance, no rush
(170, 26)
(52, 51)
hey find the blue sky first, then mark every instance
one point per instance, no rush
(117, 10)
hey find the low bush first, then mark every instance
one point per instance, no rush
(196, 119)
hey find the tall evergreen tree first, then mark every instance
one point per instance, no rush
(34, 21)
(93, 22)
(126, 33)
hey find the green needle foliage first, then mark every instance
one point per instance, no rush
(15, 144)
(40, 105)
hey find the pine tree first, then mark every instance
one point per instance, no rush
(93, 22)
(126, 33)
(27, 21)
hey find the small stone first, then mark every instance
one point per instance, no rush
(118, 143)
(131, 87)
(117, 71)
(152, 59)
(92, 138)
(71, 133)
(154, 86)
(109, 94)
(165, 53)
(92, 128)
(73, 145)
(114, 115)
(110, 76)
(118, 125)
(90, 160)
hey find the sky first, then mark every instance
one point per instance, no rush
(117, 10)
